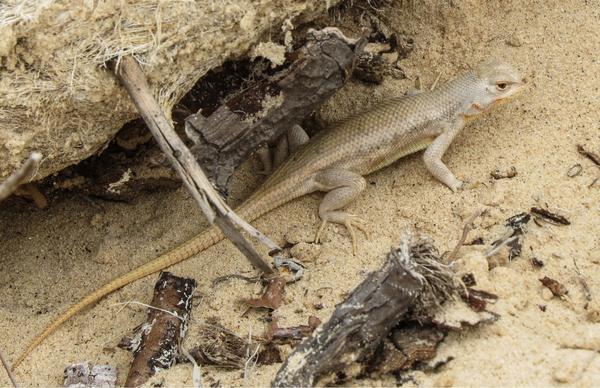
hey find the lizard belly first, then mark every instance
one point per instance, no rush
(387, 158)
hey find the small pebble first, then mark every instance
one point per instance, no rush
(97, 220)
(305, 252)
(547, 294)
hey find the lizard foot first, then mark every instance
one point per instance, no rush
(350, 221)
(468, 185)
(465, 185)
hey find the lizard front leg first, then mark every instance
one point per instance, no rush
(434, 152)
(342, 187)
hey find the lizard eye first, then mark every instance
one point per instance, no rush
(501, 85)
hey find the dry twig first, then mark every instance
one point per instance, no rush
(467, 228)
(589, 154)
(212, 205)
(6, 365)
(24, 173)
(587, 293)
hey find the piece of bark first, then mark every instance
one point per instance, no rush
(370, 68)
(411, 282)
(557, 288)
(406, 346)
(119, 175)
(261, 112)
(80, 375)
(272, 298)
(155, 343)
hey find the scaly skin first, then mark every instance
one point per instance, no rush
(336, 160)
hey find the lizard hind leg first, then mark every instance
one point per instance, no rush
(288, 143)
(342, 187)
(285, 145)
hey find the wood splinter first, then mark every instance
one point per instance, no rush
(155, 343)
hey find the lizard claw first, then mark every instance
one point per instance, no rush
(318, 235)
(350, 222)
(468, 185)
(457, 185)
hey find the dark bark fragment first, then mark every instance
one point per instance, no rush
(259, 113)
(291, 334)
(155, 343)
(549, 216)
(557, 288)
(272, 298)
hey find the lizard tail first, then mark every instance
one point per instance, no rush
(202, 241)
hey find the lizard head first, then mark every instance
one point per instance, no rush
(498, 82)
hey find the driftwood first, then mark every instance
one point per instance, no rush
(260, 113)
(211, 204)
(412, 281)
(155, 343)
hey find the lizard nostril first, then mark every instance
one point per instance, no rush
(524, 81)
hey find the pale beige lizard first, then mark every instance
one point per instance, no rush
(335, 161)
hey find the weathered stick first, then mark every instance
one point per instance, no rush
(213, 207)
(9, 372)
(155, 343)
(412, 279)
(466, 229)
(24, 173)
(251, 117)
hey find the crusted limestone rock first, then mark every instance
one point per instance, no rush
(58, 97)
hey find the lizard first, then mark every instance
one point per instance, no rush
(336, 160)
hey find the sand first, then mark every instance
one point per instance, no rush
(52, 257)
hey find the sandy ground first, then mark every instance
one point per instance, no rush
(52, 257)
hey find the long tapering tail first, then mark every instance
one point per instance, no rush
(197, 244)
(262, 201)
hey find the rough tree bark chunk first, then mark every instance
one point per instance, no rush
(264, 111)
(155, 343)
(411, 281)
